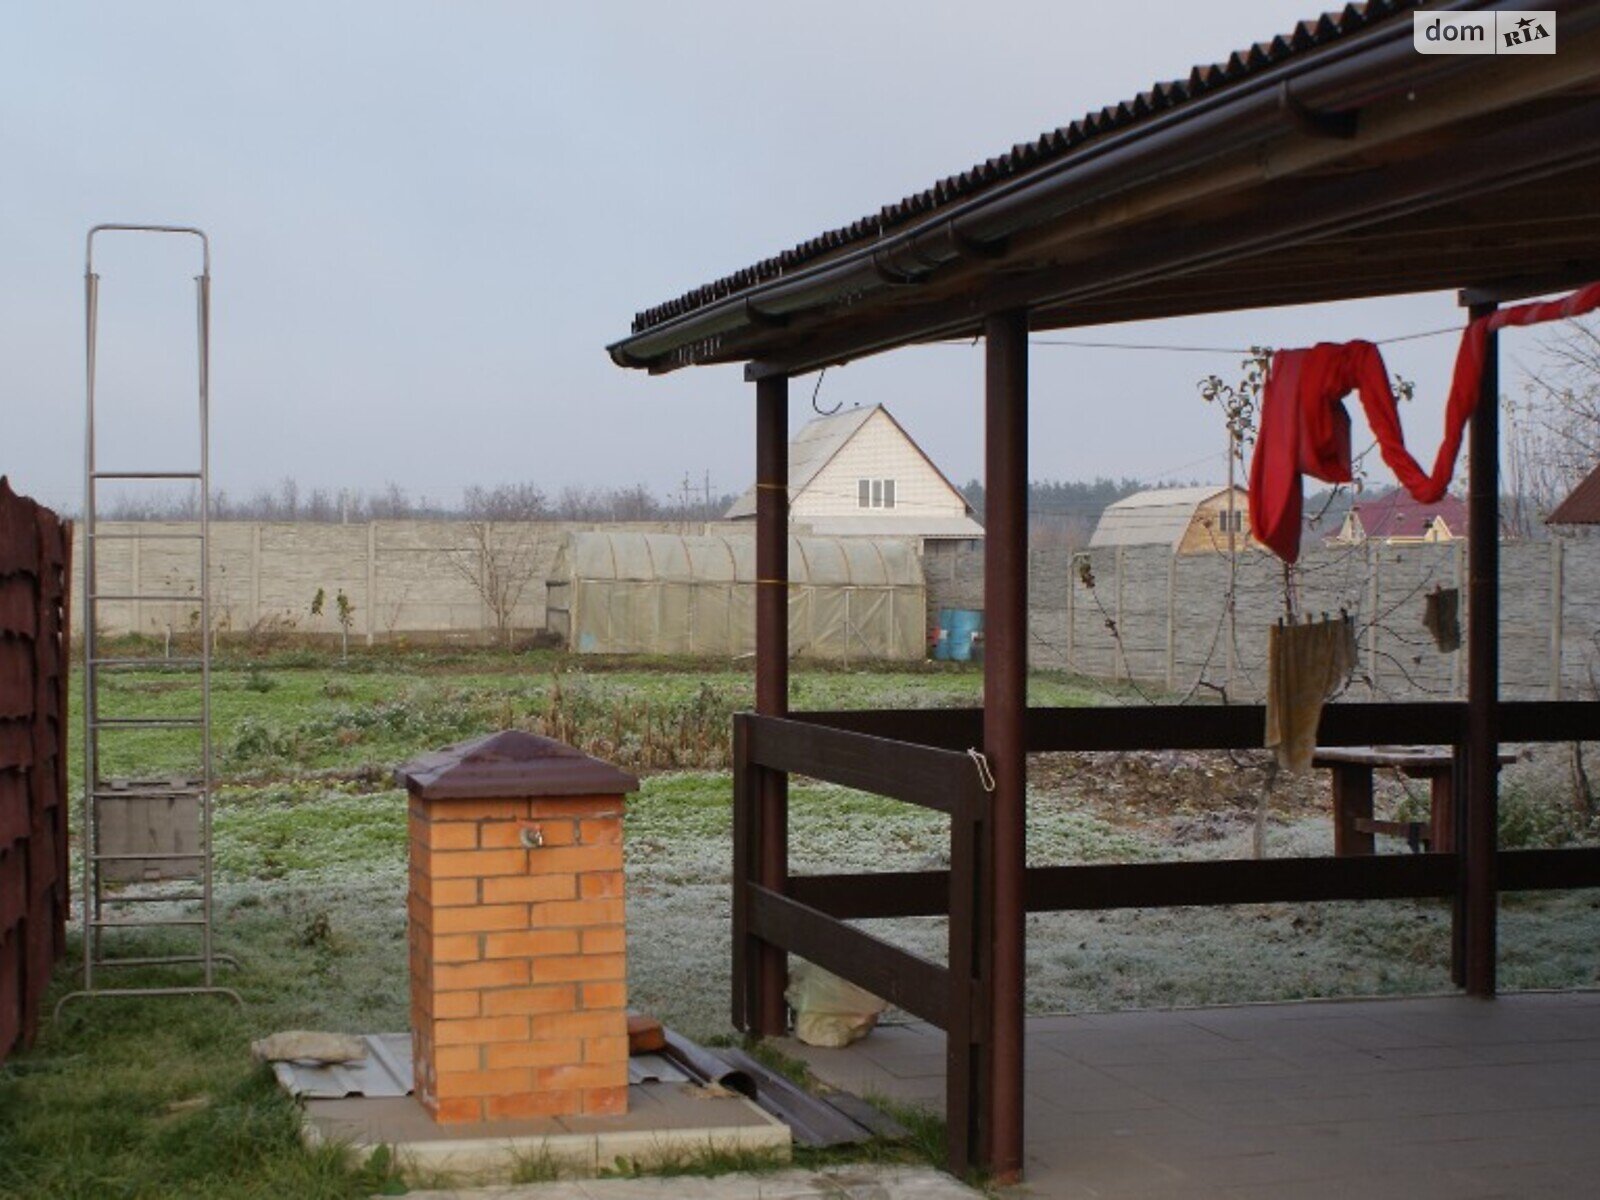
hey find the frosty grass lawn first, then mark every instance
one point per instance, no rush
(159, 1097)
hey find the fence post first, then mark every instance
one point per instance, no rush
(1072, 610)
(1557, 613)
(1172, 621)
(1372, 622)
(372, 581)
(136, 586)
(255, 574)
(1119, 657)
(1461, 612)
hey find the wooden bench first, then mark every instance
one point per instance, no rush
(1351, 767)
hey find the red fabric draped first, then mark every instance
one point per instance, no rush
(1305, 429)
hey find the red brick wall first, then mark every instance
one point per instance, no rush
(518, 964)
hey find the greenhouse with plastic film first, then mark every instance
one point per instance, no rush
(850, 599)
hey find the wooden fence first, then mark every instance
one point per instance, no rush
(35, 553)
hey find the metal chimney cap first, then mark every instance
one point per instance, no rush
(511, 765)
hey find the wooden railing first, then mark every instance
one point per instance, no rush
(921, 756)
(952, 996)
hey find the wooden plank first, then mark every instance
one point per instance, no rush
(875, 894)
(1148, 885)
(744, 822)
(1549, 720)
(903, 979)
(1537, 870)
(1162, 726)
(920, 775)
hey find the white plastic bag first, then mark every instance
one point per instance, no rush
(828, 1011)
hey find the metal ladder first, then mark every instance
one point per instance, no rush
(177, 846)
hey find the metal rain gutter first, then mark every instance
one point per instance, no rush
(1345, 77)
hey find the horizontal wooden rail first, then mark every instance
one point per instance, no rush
(903, 979)
(1146, 885)
(928, 777)
(1549, 721)
(1535, 870)
(1219, 727)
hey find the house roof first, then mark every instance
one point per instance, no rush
(1158, 517)
(1027, 156)
(1397, 515)
(1330, 163)
(816, 445)
(812, 449)
(1582, 505)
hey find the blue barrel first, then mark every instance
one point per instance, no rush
(941, 641)
(964, 623)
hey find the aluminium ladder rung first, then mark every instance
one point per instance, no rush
(144, 475)
(157, 535)
(147, 662)
(148, 722)
(156, 923)
(152, 856)
(143, 598)
(180, 898)
(160, 793)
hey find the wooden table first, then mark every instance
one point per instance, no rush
(1354, 829)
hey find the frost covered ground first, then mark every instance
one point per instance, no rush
(311, 843)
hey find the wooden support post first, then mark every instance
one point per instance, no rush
(766, 1007)
(1005, 701)
(1483, 674)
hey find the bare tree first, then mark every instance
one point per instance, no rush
(1554, 432)
(502, 548)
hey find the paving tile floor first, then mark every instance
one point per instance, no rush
(1356, 1100)
(842, 1183)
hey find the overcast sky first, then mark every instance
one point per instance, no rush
(428, 219)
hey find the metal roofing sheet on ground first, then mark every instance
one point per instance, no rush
(386, 1071)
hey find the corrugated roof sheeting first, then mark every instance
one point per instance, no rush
(35, 550)
(1046, 148)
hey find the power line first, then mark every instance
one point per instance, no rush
(1178, 348)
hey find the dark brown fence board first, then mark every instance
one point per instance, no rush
(35, 550)
(1533, 870)
(903, 979)
(1147, 885)
(915, 774)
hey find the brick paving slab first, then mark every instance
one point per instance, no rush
(1437, 1096)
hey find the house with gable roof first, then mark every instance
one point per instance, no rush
(859, 473)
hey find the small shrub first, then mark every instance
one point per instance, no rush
(257, 680)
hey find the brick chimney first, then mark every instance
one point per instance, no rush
(518, 948)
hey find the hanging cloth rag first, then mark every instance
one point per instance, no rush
(1305, 665)
(1441, 616)
(1305, 429)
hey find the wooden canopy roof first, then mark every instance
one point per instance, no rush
(1307, 169)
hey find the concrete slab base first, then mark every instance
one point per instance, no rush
(841, 1183)
(666, 1125)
